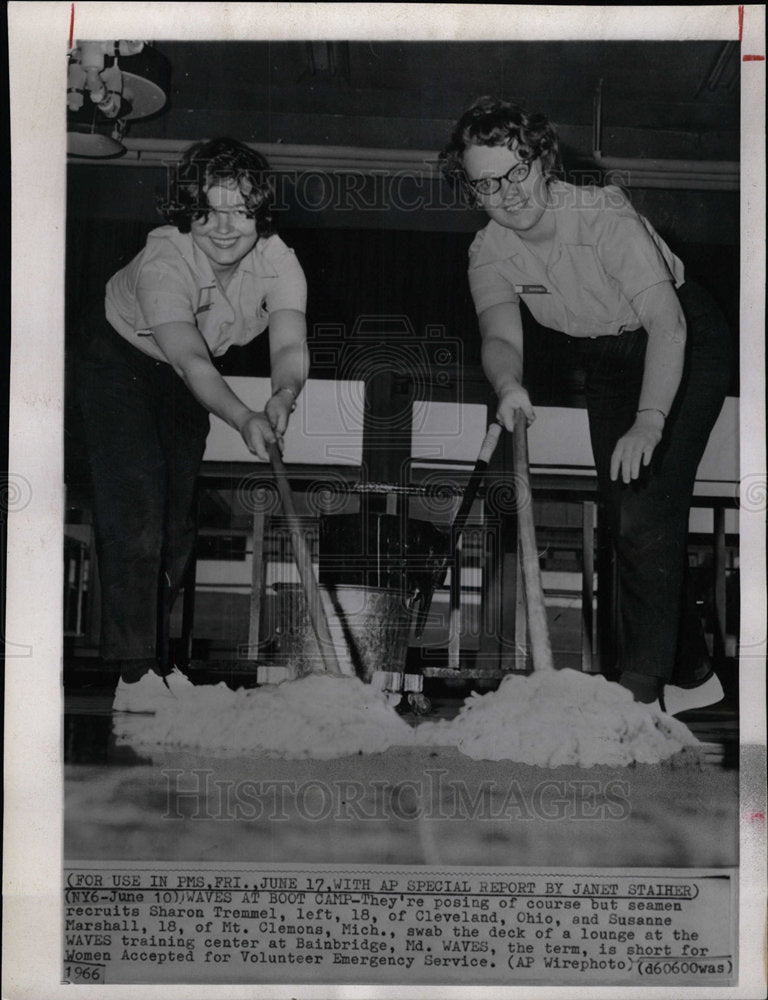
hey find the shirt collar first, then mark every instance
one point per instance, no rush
(258, 261)
(496, 242)
(255, 262)
(493, 243)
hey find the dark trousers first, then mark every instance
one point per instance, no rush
(660, 633)
(145, 436)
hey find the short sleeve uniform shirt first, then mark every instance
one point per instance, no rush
(603, 255)
(171, 280)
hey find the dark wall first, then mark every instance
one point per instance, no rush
(674, 100)
(314, 200)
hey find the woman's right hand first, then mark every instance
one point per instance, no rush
(257, 434)
(511, 401)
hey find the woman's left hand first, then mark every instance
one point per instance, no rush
(636, 447)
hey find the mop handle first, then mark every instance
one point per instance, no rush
(301, 555)
(534, 595)
(487, 449)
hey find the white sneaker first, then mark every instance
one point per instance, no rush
(144, 695)
(680, 699)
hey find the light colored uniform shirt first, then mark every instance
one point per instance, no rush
(171, 281)
(602, 255)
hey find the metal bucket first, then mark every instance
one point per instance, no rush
(406, 555)
(369, 629)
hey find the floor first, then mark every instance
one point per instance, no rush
(408, 806)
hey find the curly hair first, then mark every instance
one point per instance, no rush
(492, 122)
(214, 162)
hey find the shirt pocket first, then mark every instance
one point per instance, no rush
(205, 300)
(589, 294)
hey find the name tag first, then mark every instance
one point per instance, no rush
(531, 290)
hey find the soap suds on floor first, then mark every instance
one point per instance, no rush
(561, 717)
(316, 716)
(548, 719)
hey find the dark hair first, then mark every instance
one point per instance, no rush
(492, 122)
(215, 161)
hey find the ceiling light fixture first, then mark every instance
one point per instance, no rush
(108, 85)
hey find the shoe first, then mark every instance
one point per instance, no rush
(145, 694)
(683, 699)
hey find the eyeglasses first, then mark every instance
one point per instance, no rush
(491, 185)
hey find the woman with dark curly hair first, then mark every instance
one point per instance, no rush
(655, 349)
(147, 382)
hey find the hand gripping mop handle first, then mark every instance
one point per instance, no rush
(303, 560)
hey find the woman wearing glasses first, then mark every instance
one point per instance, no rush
(655, 349)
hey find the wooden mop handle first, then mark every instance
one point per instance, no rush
(534, 595)
(303, 560)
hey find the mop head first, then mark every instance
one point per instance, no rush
(559, 717)
(546, 719)
(317, 716)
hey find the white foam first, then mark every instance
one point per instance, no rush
(547, 719)
(561, 717)
(316, 716)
